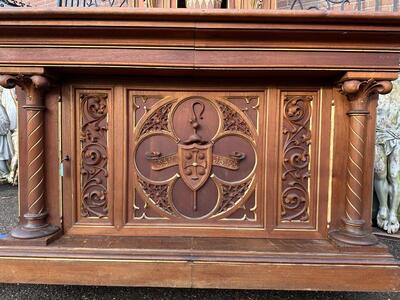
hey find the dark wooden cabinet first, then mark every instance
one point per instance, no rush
(214, 149)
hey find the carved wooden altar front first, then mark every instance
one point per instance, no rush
(198, 149)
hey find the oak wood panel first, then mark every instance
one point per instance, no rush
(265, 276)
(339, 157)
(197, 58)
(200, 275)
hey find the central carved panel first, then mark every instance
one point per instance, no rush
(194, 159)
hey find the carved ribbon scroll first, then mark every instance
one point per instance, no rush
(296, 135)
(94, 202)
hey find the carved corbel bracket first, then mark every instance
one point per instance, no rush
(35, 87)
(359, 92)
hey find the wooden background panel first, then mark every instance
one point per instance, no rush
(93, 179)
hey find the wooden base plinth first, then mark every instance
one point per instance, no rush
(42, 241)
(353, 233)
(202, 263)
(24, 232)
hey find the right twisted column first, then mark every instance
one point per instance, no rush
(353, 230)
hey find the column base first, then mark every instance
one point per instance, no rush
(353, 233)
(23, 232)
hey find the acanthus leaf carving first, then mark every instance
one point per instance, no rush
(94, 201)
(296, 158)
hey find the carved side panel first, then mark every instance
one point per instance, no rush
(296, 134)
(299, 145)
(93, 120)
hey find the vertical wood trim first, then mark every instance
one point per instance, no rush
(120, 164)
(67, 128)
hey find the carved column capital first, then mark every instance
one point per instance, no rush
(358, 92)
(35, 87)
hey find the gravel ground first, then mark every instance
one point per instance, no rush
(8, 218)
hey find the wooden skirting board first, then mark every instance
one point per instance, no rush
(201, 263)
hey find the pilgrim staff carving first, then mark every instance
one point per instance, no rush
(35, 87)
(353, 230)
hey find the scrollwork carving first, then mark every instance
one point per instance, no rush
(94, 155)
(296, 158)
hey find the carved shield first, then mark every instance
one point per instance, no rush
(195, 163)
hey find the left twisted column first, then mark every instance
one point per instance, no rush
(35, 87)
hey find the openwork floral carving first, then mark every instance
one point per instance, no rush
(158, 121)
(231, 194)
(296, 158)
(157, 193)
(94, 155)
(233, 121)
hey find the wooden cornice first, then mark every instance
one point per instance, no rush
(186, 39)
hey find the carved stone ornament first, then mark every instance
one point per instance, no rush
(35, 87)
(195, 158)
(353, 230)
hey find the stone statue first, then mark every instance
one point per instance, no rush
(8, 100)
(8, 137)
(387, 160)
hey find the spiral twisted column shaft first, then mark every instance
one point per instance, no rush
(354, 230)
(35, 87)
(36, 202)
(355, 162)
